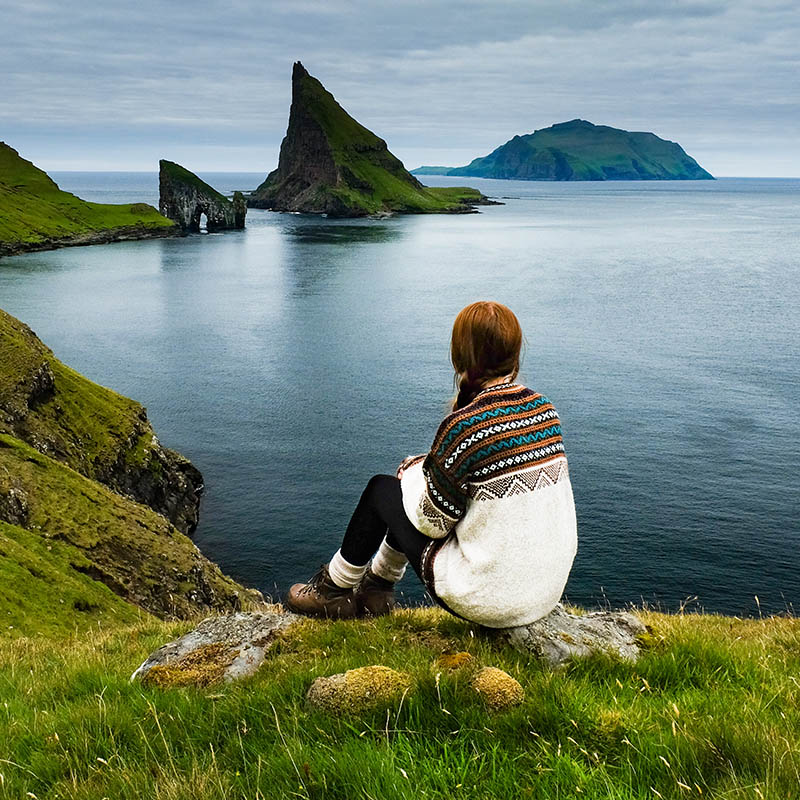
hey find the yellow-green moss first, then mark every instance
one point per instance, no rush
(204, 666)
(452, 662)
(497, 688)
(359, 690)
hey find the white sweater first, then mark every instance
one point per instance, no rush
(495, 493)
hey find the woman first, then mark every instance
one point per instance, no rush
(486, 518)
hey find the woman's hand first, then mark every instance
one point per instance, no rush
(407, 462)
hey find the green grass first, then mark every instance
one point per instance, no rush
(43, 594)
(710, 710)
(34, 210)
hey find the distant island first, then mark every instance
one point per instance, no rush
(580, 151)
(331, 164)
(36, 215)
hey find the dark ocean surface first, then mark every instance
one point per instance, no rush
(293, 360)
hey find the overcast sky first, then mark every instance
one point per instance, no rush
(118, 85)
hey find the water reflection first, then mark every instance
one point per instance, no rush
(313, 230)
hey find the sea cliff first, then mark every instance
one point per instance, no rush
(94, 510)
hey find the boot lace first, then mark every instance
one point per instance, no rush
(316, 580)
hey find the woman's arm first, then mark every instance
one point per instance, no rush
(407, 462)
(434, 494)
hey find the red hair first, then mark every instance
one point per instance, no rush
(485, 345)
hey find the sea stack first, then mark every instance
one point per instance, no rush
(183, 198)
(331, 164)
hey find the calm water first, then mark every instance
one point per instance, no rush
(295, 359)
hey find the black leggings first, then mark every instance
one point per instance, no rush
(380, 513)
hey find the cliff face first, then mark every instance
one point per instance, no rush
(331, 164)
(95, 431)
(89, 498)
(580, 151)
(36, 215)
(183, 198)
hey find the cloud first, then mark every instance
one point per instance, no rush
(430, 77)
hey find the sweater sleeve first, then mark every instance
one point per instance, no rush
(434, 494)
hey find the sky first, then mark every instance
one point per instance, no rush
(118, 85)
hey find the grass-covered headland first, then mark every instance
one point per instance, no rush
(36, 215)
(710, 710)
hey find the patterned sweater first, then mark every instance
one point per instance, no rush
(494, 495)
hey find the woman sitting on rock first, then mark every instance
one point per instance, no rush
(486, 518)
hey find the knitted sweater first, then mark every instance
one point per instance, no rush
(495, 496)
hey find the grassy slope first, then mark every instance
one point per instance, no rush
(710, 710)
(41, 592)
(84, 424)
(590, 150)
(33, 209)
(362, 152)
(124, 544)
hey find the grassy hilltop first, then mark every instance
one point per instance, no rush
(710, 711)
(36, 215)
(330, 163)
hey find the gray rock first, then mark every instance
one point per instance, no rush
(241, 643)
(561, 636)
(184, 198)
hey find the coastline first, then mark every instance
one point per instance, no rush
(110, 236)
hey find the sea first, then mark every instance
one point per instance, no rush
(293, 360)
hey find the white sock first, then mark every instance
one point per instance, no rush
(388, 563)
(344, 574)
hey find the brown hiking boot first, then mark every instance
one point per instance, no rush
(321, 597)
(374, 595)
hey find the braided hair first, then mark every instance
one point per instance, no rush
(485, 345)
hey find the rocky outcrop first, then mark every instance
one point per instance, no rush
(561, 635)
(218, 649)
(331, 164)
(184, 198)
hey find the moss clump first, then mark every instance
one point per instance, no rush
(358, 690)
(34, 211)
(498, 689)
(204, 666)
(452, 662)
